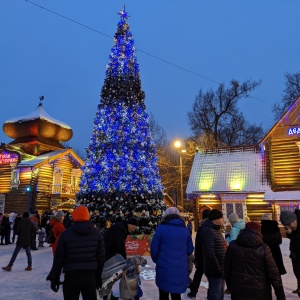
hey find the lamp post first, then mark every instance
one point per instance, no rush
(178, 145)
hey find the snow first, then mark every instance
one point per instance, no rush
(39, 113)
(219, 169)
(25, 285)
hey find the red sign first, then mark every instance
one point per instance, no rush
(138, 244)
(8, 158)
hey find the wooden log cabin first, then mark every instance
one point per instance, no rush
(36, 170)
(251, 180)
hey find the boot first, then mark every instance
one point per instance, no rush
(29, 268)
(7, 268)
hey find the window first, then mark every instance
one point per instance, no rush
(14, 179)
(238, 208)
(57, 181)
(75, 173)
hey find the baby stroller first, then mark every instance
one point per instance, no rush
(127, 271)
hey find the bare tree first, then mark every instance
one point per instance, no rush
(216, 117)
(290, 94)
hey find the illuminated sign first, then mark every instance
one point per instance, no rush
(293, 131)
(8, 158)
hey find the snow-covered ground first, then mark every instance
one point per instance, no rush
(21, 284)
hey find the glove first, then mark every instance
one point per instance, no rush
(54, 286)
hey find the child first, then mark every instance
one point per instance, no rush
(42, 237)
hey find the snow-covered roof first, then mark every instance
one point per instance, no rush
(38, 159)
(232, 172)
(39, 113)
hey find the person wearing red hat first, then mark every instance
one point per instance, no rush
(81, 254)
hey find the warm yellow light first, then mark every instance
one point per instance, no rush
(177, 144)
(236, 186)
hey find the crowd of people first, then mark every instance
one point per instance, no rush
(246, 262)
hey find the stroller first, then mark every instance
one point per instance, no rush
(116, 268)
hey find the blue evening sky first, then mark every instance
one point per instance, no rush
(43, 53)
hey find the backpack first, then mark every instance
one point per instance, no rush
(50, 237)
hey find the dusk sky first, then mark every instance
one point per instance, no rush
(182, 46)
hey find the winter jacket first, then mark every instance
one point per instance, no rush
(80, 248)
(250, 269)
(5, 226)
(295, 239)
(57, 228)
(214, 249)
(115, 239)
(235, 230)
(198, 246)
(170, 247)
(272, 237)
(25, 231)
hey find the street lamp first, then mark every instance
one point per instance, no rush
(178, 145)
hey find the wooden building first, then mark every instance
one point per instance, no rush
(36, 170)
(251, 180)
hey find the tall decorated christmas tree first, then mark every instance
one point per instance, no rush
(120, 176)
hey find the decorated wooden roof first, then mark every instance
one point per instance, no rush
(37, 132)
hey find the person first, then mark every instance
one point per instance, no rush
(170, 247)
(115, 237)
(57, 227)
(236, 226)
(42, 236)
(272, 237)
(115, 240)
(214, 249)
(250, 267)
(35, 222)
(16, 224)
(24, 232)
(199, 264)
(80, 253)
(291, 222)
(5, 230)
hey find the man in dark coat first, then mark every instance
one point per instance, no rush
(115, 237)
(291, 222)
(199, 264)
(24, 232)
(214, 249)
(80, 253)
(250, 268)
(115, 240)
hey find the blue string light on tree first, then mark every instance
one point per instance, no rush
(120, 177)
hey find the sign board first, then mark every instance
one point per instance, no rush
(138, 244)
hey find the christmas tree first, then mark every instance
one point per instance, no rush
(120, 177)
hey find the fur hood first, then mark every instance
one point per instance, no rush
(170, 217)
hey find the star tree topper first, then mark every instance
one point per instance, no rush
(124, 15)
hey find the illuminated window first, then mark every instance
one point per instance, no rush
(14, 179)
(57, 181)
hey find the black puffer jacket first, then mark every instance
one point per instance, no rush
(115, 239)
(214, 249)
(24, 231)
(250, 269)
(272, 237)
(198, 245)
(80, 248)
(295, 239)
